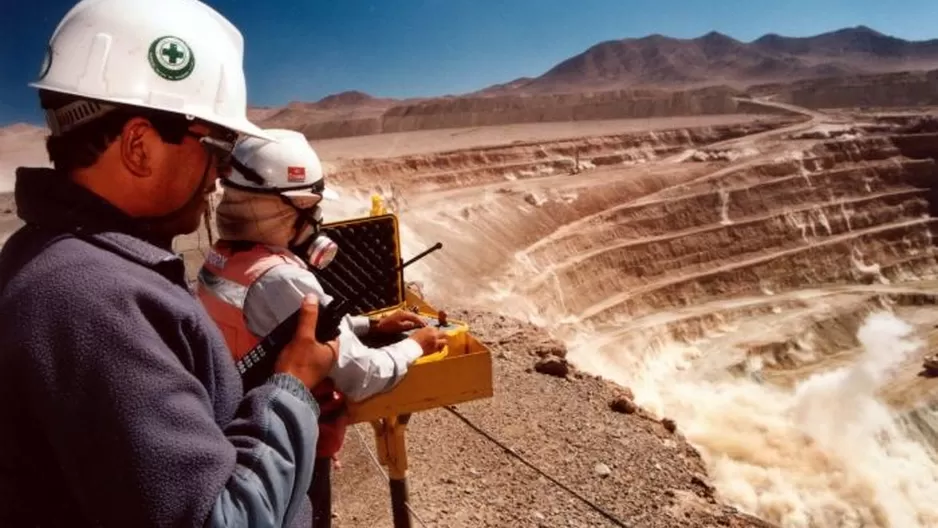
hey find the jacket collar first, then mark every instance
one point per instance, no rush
(50, 199)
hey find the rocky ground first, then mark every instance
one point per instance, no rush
(582, 431)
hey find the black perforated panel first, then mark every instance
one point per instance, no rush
(364, 271)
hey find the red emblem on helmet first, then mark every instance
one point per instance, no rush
(296, 174)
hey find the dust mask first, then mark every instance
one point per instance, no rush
(309, 243)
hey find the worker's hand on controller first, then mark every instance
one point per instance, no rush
(430, 339)
(397, 322)
(304, 357)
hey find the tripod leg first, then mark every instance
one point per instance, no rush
(392, 452)
(320, 493)
(399, 502)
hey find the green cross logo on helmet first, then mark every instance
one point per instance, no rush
(171, 58)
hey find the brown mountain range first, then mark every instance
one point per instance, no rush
(713, 58)
(652, 76)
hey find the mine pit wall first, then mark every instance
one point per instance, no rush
(473, 112)
(519, 160)
(902, 89)
(866, 223)
(846, 212)
(791, 270)
(634, 265)
(833, 333)
(925, 147)
(467, 112)
(482, 239)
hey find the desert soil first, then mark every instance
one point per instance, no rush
(628, 463)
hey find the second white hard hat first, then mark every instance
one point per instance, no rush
(287, 165)
(177, 56)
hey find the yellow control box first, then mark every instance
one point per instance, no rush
(460, 372)
(369, 253)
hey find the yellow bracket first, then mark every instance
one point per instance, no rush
(392, 450)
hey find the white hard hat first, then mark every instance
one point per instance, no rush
(177, 56)
(287, 165)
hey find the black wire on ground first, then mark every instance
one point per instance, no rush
(612, 518)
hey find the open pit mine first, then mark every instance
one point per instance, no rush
(761, 288)
(768, 285)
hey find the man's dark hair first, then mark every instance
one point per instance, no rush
(79, 148)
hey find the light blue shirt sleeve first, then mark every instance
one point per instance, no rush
(361, 371)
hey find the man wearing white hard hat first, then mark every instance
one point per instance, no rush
(260, 269)
(122, 406)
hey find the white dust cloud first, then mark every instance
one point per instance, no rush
(826, 454)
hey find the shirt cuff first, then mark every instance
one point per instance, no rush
(410, 349)
(360, 324)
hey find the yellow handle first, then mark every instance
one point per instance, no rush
(377, 205)
(436, 356)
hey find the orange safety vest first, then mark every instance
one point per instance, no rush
(223, 284)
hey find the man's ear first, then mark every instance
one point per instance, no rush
(136, 144)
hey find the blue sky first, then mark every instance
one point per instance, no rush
(306, 49)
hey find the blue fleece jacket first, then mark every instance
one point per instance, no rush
(119, 403)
